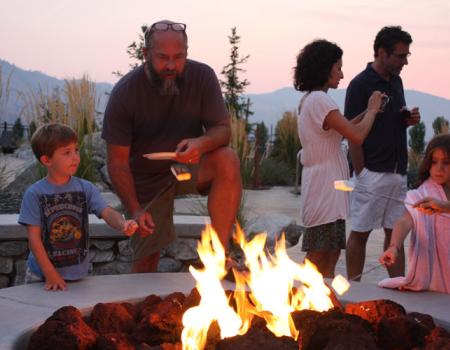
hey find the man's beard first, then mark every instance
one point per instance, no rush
(165, 86)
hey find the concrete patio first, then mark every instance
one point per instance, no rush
(23, 308)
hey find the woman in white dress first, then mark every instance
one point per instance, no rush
(321, 128)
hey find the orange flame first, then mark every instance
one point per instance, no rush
(274, 305)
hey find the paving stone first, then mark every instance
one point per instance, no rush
(124, 258)
(123, 267)
(125, 248)
(6, 265)
(21, 268)
(169, 265)
(13, 248)
(102, 244)
(109, 268)
(183, 249)
(101, 256)
(4, 281)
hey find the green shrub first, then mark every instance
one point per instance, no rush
(276, 173)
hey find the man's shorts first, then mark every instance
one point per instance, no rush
(369, 210)
(161, 210)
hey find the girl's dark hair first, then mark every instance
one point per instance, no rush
(314, 64)
(438, 142)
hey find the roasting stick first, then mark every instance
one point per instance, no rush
(349, 186)
(366, 272)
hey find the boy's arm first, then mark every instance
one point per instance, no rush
(53, 280)
(401, 229)
(116, 220)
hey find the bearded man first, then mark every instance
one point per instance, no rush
(169, 104)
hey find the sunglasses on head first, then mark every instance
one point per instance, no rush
(162, 27)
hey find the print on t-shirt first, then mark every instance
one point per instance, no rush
(64, 225)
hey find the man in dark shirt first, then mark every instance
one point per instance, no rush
(170, 104)
(380, 164)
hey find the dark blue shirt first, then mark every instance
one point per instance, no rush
(385, 148)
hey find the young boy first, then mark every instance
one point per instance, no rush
(55, 211)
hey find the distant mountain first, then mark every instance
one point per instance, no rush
(268, 107)
(25, 82)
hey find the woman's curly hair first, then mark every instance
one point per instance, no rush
(314, 64)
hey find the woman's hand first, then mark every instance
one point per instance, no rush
(375, 100)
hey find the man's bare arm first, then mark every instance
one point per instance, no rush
(123, 182)
(217, 136)
(121, 177)
(190, 150)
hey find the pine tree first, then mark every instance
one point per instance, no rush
(417, 145)
(417, 138)
(233, 86)
(440, 125)
(135, 51)
(18, 130)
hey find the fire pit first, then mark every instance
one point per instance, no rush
(24, 308)
(266, 305)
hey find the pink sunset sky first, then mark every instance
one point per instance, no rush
(66, 39)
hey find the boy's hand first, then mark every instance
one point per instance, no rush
(130, 227)
(54, 282)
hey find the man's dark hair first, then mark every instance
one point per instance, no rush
(314, 64)
(438, 142)
(47, 138)
(387, 37)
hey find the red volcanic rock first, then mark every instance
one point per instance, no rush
(162, 324)
(423, 319)
(111, 318)
(333, 330)
(156, 324)
(257, 338)
(163, 346)
(374, 310)
(143, 308)
(400, 333)
(193, 299)
(114, 342)
(438, 339)
(65, 329)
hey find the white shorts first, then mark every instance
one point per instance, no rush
(369, 210)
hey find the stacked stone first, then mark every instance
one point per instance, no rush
(12, 262)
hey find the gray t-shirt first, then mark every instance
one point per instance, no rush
(62, 213)
(139, 117)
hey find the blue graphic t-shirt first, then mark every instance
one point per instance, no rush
(62, 213)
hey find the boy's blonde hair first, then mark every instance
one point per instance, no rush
(48, 137)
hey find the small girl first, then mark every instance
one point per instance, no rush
(429, 252)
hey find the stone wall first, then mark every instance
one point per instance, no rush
(107, 257)
(110, 251)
